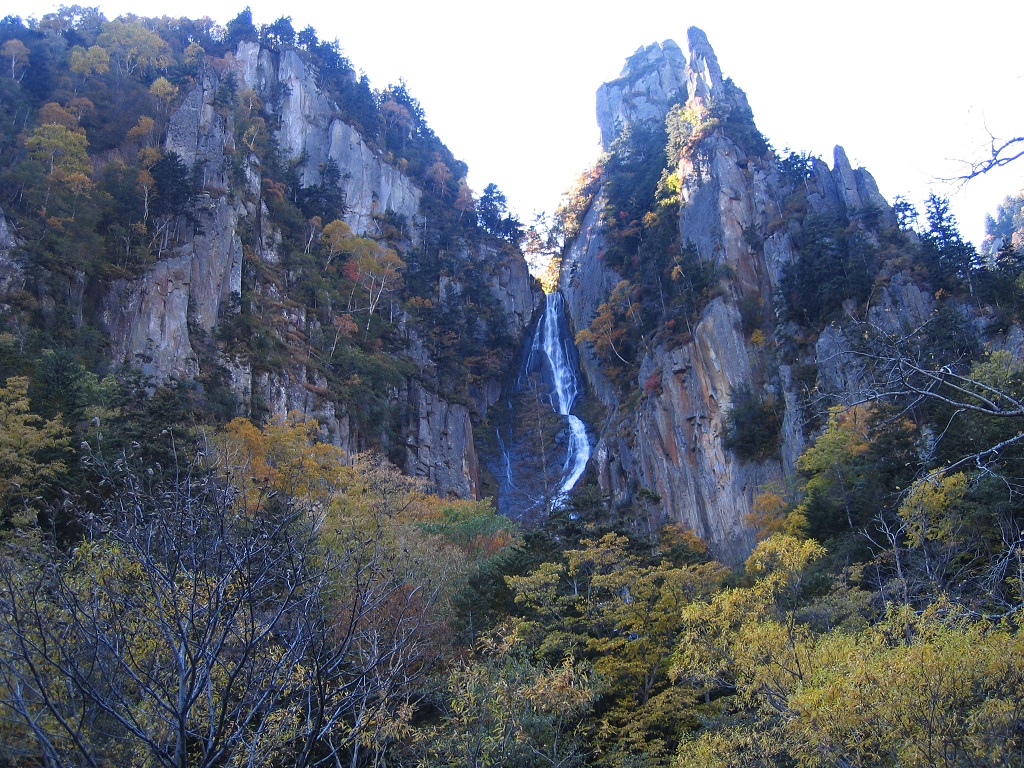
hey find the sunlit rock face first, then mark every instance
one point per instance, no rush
(653, 79)
(157, 322)
(670, 440)
(309, 129)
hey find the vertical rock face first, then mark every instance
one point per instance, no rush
(11, 277)
(670, 440)
(148, 319)
(153, 320)
(309, 129)
(440, 446)
(653, 79)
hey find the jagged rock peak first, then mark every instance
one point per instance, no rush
(704, 76)
(653, 79)
(844, 188)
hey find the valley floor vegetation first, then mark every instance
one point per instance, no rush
(258, 598)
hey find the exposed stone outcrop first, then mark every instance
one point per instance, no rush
(310, 129)
(731, 207)
(12, 278)
(586, 281)
(653, 79)
(152, 320)
(439, 447)
(846, 188)
(201, 135)
(149, 319)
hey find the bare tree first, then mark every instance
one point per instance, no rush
(970, 414)
(187, 630)
(903, 370)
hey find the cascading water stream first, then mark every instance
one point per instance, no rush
(532, 479)
(565, 382)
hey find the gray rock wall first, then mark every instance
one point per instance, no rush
(151, 319)
(671, 440)
(308, 125)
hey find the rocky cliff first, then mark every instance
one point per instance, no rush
(238, 288)
(666, 429)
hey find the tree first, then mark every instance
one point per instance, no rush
(280, 34)
(944, 251)
(754, 426)
(1001, 152)
(379, 272)
(132, 46)
(620, 612)
(172, 198)
(198, 627)
(611, 330)
(17, 52)
(837, 474)
(163, 90)
(94, 61)
(337, 238)
(241, 29)
(440, 177)
(61, 149)
(503, 710)
(493, 215)
(901, 370)
(918, 689)
(31, 452)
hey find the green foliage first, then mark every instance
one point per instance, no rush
(619, 609)
(839, 476)
(492, 213)
(31, 456)
(796, 168)
(753, 423)
(666, 282)
(836, 262)
(733, 115)
(1009, 220)
(631, 175)
(505, 711)
(900, 692)
(949, 259)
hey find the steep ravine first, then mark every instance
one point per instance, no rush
(503, 426)
(542, 446)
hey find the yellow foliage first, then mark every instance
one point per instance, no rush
(930, 509)
(163, 89)
(767, 514)
(94, 61)
(286, 457)
(28, 447)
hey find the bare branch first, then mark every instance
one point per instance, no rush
(1002, 153)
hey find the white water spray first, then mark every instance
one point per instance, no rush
(566, 389)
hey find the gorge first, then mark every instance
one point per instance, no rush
(398, 327)
(547, 382)
(300, 466)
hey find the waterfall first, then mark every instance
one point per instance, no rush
(528, 464)
(566, 388)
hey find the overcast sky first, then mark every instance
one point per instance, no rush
(907, 89)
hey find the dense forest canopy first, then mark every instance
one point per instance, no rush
(184, 583)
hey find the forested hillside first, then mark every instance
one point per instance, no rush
(254, 326)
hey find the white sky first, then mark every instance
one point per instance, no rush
(907, 89)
